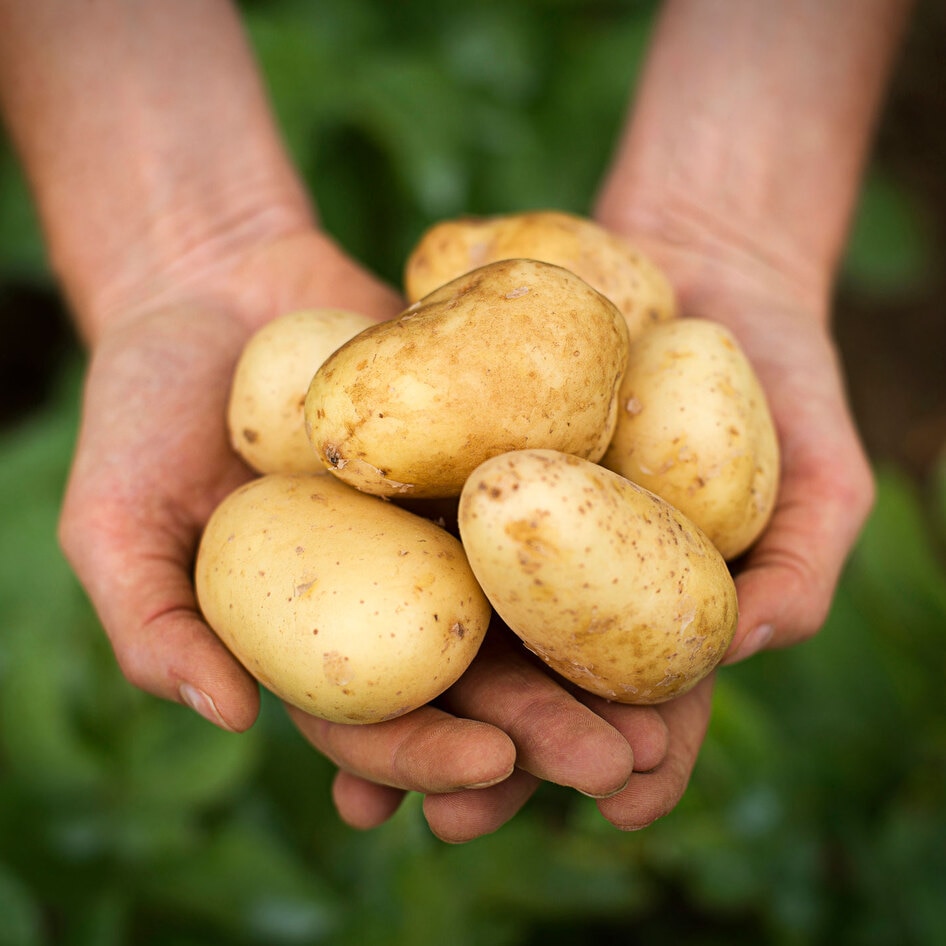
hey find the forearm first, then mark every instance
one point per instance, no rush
(750, 131)
(147, 140)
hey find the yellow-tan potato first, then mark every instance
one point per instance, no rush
(265, 410)
(341, 604)
(634, 283)
(694, 427)
(612, 587)
(516, 354)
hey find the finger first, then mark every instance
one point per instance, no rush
(557, 738)
(642, 726)
(651, 795)
(363, 804)
(462, 816)
(426, 750)
(787, 583)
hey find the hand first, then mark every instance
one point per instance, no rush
(785, 584)
(153, 461)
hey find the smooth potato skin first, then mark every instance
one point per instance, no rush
(694, 427)
(612, 587)
(265, 416)
(627, 277)
(342, 604)
(516, 354)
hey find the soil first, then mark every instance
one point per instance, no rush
(894, 350)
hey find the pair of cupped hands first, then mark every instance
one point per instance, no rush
(153, 460)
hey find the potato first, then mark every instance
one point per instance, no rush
(695, 428)
(516, 354)
(628, 278)
(611, 586)
(265, 410)
(340, 603)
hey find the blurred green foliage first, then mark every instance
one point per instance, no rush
(816, 811)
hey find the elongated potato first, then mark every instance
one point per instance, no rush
(515, 354)
(265, 415)
(694, 427)
(612, 587)
(627, 277)
(342, 604)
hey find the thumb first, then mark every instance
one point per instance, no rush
(788, 580)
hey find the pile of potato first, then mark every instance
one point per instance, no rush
(539, 434)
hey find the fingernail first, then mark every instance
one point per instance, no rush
(490, 782)
(616, 791)
(755, 641)
(201, 703)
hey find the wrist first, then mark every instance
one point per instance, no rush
(747, 159)
(249, 277)
(187, 255)
(151, 149)
(708, 256)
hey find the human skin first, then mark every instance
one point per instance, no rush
(172, 245)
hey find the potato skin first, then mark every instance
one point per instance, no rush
(516, 354)
(611, 586)
(694, 427)
(627, 277)
(265, 416)
(341, 604)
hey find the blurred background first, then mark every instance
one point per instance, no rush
(817, 812)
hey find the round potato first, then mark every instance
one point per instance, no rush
(265, 411)
(606, 262)
(341, 604)
(516, 354)
(612, 587)
(694, 427)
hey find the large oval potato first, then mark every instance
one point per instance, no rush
(611, 586)
(516, 354)
(265, 415)
(627, 277)
(694, 427)
(340, 603)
